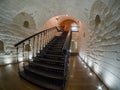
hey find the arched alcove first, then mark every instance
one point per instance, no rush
(26, 24)
(25, 20)
(97, 20)
(1, 46)
(27, 47)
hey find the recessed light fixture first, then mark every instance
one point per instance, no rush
(90, 74)
(99, 87)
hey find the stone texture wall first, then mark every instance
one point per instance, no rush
(11, 25)
(100, 45)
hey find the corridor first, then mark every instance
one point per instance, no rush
(27, 26)
(79, 78)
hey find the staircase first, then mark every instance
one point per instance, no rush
(48, 69)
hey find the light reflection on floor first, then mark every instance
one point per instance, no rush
(8, 59)
(79, 77)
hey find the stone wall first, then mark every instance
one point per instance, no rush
(12, 30)
(100, 44)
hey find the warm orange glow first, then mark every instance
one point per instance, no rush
(61, 21)
(66, 25)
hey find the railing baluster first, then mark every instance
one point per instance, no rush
(33, 46)
(23, 53)
(29, 51)
(37, 43)
(47, 37)
(40, 42)
(44, 40)
(50, 34)
(18, 59)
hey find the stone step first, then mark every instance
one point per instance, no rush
(41, 82)
(44, 73)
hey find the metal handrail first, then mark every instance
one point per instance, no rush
(34, 44)
(66, 45)
(34, 36)
(65, 49)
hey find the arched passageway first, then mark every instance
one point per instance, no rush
(67, 23)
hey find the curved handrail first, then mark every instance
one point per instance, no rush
(33, 36)
(65, 49)
(34, 44)
(38, 42)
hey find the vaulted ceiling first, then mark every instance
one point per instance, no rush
(42, 10)
(99, 42)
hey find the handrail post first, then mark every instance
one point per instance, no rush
(23, 54)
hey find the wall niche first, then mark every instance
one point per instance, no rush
(1, 46)
(97, 20)
(26, 24)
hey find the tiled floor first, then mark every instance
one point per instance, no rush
(79, 78)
